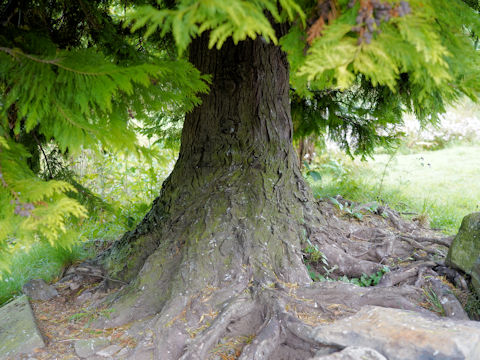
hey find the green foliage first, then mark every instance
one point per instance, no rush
(313, 255)
(349, 209)
(86, 98)
(367, 280)
(314, 259)
(236, 19)
(355, 92)
(313, 174)
(71, 87)
(414, 47)
(359, 120)
(128, 184)
(433, 301)
(119, 189)
(30, 207)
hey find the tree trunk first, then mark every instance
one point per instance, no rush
(219, 255)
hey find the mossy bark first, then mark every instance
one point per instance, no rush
(235, 207)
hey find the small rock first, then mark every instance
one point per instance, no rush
(353, 353)
(109, 351)
(74, 286)
(18, 332)
(464, 253)
(85, 296)
(88, 347)
(38, 289)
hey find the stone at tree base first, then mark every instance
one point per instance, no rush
(404, 335)
(88, 347)
(109, 351)
(38, 289)
(18, 331)
(353, 353)
(465, 248)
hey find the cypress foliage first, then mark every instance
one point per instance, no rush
(69, 86)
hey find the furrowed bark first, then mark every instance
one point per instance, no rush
(235, 209)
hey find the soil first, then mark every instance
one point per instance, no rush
(63, 320)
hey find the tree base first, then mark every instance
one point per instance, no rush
(256, 313)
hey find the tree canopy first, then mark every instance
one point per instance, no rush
(77, 73)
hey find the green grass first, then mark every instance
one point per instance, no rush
(42, 261)
(443, 184)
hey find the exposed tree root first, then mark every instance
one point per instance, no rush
(198, 347)
(445, 241)
(265, 343)
(279, 322)
(252, 308)
(449, 302)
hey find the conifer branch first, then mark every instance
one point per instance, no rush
(57, 62)
(14, 53)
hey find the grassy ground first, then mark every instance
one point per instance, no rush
(42, 261)
(47, 262)
(442, 185)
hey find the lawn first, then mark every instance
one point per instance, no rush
(442, 185)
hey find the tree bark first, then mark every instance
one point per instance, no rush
(219, 255)
(236, 185)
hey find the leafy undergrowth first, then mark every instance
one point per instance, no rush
(117, 190)
(44, 261)
(434, 187)
(320, 270)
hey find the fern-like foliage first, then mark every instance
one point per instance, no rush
(419, 63)
(236, 19)
(359, 119)
(30, 208)
(78, 97)
(85, 98)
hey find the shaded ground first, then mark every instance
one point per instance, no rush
(63, 320)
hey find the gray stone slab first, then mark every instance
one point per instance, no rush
(353, 353)
(404, 335)
(18, 331)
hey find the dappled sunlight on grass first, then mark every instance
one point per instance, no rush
(443, 184)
